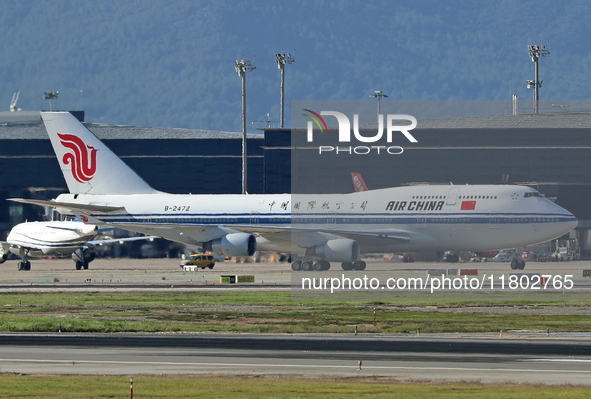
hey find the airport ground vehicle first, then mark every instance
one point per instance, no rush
(561, 254)
(200, 260)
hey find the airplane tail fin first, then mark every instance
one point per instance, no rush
(358, 182)
(88, 165)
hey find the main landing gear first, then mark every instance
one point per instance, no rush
(26, 265)
(81, 265)
(517, 264)
(308, 264)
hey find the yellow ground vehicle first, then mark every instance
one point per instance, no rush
(200, 260)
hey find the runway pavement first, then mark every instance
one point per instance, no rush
(555, 362)
(564, 358)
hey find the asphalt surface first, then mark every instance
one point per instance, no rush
(497, 360)
(559, 359)
(162, 273)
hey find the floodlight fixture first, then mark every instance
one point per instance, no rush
(243, 66)
(379, 95)
(50, 95)
(535, 52)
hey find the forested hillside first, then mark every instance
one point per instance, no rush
(171, 63)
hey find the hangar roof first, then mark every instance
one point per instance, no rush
(540, 121)
(36, 131)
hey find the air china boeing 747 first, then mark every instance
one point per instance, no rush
(321, 228)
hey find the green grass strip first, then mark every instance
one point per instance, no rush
(266, 312)
(246, 387)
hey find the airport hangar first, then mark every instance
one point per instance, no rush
(549, 152)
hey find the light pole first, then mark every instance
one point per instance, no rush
(378, 94)
(535, 52)
(282, 59)
(242, 67)
(50, 95)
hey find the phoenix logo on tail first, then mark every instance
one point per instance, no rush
(83, 164)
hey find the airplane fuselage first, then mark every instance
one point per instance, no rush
(43, 238)
(401, 219)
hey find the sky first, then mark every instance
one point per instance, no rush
(171, 63)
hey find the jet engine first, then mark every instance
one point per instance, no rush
(84, 255)
(3, 258)
(235, 244)
(338, 250)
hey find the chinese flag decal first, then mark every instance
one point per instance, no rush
(468, 205)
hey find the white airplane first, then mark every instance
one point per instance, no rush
(39, 239)
(323, 228)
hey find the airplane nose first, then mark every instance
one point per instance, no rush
(573, 223)
(569, 221)
(564, 221)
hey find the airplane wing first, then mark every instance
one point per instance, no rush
(70, 206)
(390, 235)
(384, 237)
(300, 236)
(314, 236)
(119, 240)
(4, 248)
(67, 228)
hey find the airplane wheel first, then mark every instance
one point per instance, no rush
(78, 265)
(27, 265)
(85, 265)
(347, 266)
(296, 266)
(307, 265)
(318, 266)
(20, 266)
(359, 265)
(325, 264)
(521, 264)
(514, 264)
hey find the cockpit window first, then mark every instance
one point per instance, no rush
(534, 194)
